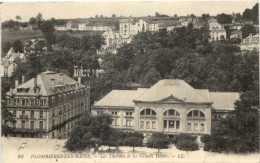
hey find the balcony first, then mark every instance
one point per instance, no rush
(28, 130)
(23, 117)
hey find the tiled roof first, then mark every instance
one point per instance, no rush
(176, 88)
(44, 82)
(224, 100)
(118, 98)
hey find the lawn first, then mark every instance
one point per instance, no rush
(10, 36)
(51, 150)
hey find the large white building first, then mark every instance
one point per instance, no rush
(250, 43)
(216, 30)
(170, 106)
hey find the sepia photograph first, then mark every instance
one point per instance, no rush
(130, 81)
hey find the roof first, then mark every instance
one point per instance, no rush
(118, 98)
(165, 90)
(44, 82)
(176, 88)
(224, 100)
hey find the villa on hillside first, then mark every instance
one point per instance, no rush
(170, 106)
(250, 43)
(216, 30)
(10, 62)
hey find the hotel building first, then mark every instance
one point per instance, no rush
(47, 106)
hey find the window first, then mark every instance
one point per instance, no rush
(14, 113)
(154, 125)
(114, 123)
(32, 114)
(14, 125)
(171, 123)
(202, 127)
(189, 126)
(23, 102)
(195, 126)
(41, 102)
(171, 112)
(41, 114)
(114, 113)
(142, 124)
(128, 122)
(23, 113)
(32, 125)
(148, 112)
(23, 124)
(32, 103)
(41, 125)
(196, 113)
(177, 124)
(128, 113)
(147, 124)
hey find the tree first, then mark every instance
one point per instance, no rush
(17, 17)
(47, 29)
(96, 16)
(158, 141)
(133, 140)
(91, 132)
(187, 145)
(175, 15)
(5, 48)
(39, 19)
(224, 18)
(32, 20)
(113, 15)
(18, 46)
(248, 29)
(247, 14)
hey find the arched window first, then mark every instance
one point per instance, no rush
(147, 112)
(196, 113)
(171, 112)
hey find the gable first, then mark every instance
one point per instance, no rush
(171, 99)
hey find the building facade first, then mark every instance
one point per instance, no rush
(10, 62)
(250, 43)
(47, 106)
(170, 107)
(216, 31)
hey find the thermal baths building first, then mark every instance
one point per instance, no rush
(169, 106)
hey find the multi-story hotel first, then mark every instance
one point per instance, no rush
(47, 106)
(170, 106)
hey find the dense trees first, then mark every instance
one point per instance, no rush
(90, 132)
(224, 18)
(248, 29)
(158, 141)
(251, 14)
(47, 29)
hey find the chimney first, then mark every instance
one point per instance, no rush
(61, 78)
(35, 82)
(23, 79)
(79, 80)
(37, 91)
(52, 84)
(16, 83)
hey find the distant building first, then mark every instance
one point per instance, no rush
(250, 43)
(47, 106)
(185, 21)
(112, 39)
(170, 106)
(216, 30)
(10, 62)
(236, 35)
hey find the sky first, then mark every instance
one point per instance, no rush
(66, 10)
